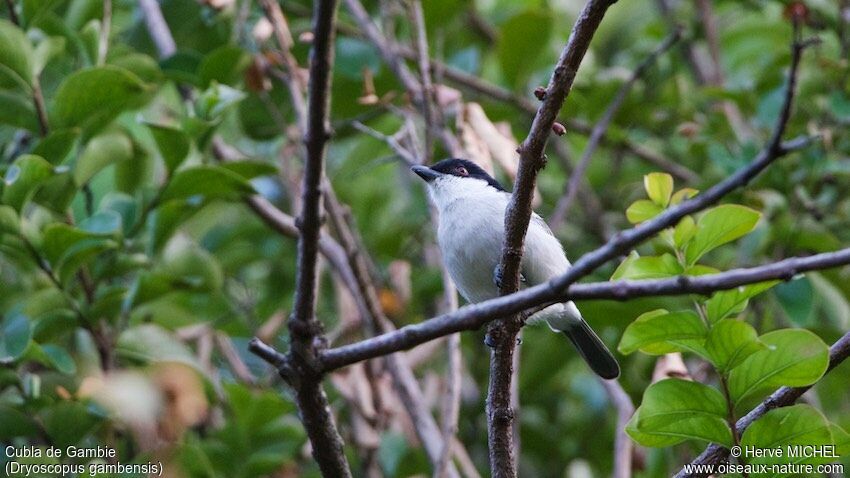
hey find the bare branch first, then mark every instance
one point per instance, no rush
(502, 334)
(105, 27)
(601, 127)
(782, 397)
(157, 28)
(623, 446)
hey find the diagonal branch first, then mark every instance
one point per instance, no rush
(782, 397)
(502, 334)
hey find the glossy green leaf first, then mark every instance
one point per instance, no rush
(9, 221)
(647, 267)
(60, 359)
(250, 169)
(100, 152)
(15, 337)
(55, 146)
(23, 178)
(682, 409)
(730, 302)
(18, 111)
(730, 342)
(216, 99)
(16, 55)
(659, 188)
(173, 145)
(797, 299)
(642, 210)
(683, 194)
(224, 65)
(664, 329)
(684, 232)
(46, 50)
(92, 97)
(15, 424)
(211, 182)
(787, 428)
(718, 226)
(794, 357)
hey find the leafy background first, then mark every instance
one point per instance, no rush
(160, 274)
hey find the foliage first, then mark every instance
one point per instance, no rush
(132, 273)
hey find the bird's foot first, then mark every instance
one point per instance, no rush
(497, 277)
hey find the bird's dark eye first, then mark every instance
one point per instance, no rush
(461, 171)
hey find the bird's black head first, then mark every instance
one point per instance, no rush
(456, 167)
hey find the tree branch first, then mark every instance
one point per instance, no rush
(158, 28)
(502, 334)
(305, 330)
(782, 397)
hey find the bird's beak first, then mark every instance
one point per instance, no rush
(425, 173)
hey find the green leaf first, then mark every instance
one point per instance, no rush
(15, 337)
(718, 226)
(648, 439)
(55, 146)
(841, 439)
(17, 110)
(684, 232)
(642, 210)
(519, 46)
(224, 65)
(730, 342)
(100, 152)
(659, 187)
(60, 359)
(23, 178)
(658, 331)
(103, 223)
(45, 51)
(797, 299)
(16, 55)
(733, 301)
(211, 182)
(649, 267)
(216, 99)
(682, 194)
(250, 169)
(173, 145)
(15, 424)
(794, 358)
(682, 409)
(150, 343)
(9, 221)
(92, 97)
(785, 428)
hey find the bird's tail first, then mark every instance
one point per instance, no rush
(592, 349)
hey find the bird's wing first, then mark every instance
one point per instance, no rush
(536, 219)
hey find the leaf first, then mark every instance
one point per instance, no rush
(659, 187)
(224, 65)
(682, 409)
(23, 178)
(730, 342)
(642, 210)
(718, 226)
(648, 439)
(60, 359)
(797, 299)
(173, 145)
(100, 152)
(17, 110)
(216, 99)
(55, 146)
(519, 45)
(15, 424)
(682, 194)
(16, 55)
(730, 302)
(67, 248)
(211, 182)
(15, 336)
(649, 267)
(684, 232)
(794, 358)
(785, 428)
(9, 221)
(92, 97)
(150, 343)
(660, 327)
(45, 51)
(250, 169)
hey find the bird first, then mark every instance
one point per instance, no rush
(471, 210)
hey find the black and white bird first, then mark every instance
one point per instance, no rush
(471, 206)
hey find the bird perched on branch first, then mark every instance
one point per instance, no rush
(471, 205)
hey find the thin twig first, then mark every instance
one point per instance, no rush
(623, 446)
(451, 400)
(601, 127)
(429, 112)
(105, 28)
(158, 28)
(782, 397)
